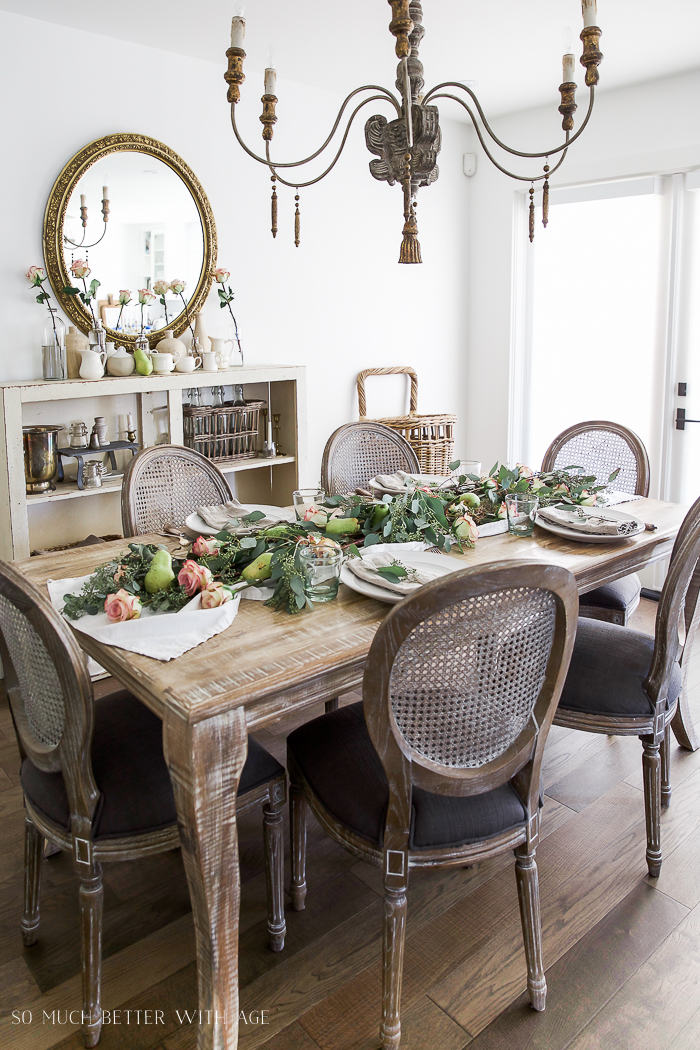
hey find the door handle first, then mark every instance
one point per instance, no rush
(681, 420)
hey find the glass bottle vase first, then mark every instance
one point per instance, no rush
(53, 346)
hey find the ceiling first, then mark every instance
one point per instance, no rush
(511, 48)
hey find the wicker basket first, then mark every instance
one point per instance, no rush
(224, 434)
(430, 437)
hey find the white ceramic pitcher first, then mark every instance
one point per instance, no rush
(218, 347)
(92, 364)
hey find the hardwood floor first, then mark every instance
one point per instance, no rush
(622, 953)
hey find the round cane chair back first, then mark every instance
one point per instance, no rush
(600, 447)
(465, 673)
(164, 484)
(357, 452)
(48, 687)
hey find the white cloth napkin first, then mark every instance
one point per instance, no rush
(160, 635)
(219, 517)
(594, 521)
(401, 482)
(365, 568)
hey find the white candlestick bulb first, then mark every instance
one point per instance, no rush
(237, 31)
(569, 66)
(590, 12)
(270, 80)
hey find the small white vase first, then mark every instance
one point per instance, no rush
(201, 334)
(121, 363)
(170, 345)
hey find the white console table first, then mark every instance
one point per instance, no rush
(287, 395)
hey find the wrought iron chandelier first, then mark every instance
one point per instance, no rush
(407, 147)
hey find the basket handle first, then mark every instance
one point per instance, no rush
(398, 370)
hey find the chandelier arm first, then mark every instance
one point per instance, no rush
(511, 174)
(386, 96)
(517, 153)
(301, 185)
(86, 246)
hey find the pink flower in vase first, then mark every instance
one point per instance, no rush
(35, 275)
(221, 276)
(80, 269)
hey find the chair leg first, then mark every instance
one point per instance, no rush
(651, 769)
(33, 856)
(91, 896)
(682, 724)
(666, 768)
(274, 873)
(529, 901)
(331, 705)
(297, 828)
(392, 966)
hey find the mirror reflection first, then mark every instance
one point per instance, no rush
(137, 224)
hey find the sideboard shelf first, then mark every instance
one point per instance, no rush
(286, 391)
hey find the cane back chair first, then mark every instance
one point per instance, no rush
(356, 452)
(165, 483)
(94, 777)
(440, 764)
(625, 683)
(600, 447)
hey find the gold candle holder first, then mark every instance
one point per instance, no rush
(401, 26)
(268, 118)
(234, 75)
(592, 56)
(568, 105)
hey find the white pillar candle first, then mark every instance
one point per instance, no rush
(569, 65)
(237, 31)
(129, 421)
(82, 200)
(105, 193)
(270, 80)
(269, 435)
(590, 12)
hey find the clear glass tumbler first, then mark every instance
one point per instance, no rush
(306, 500)
(521, 508)
(322, 572)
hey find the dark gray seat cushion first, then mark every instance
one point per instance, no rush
(607, 671)
(136, 795)
(339, 761)
(622, 594)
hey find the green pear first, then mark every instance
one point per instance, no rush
(160, 575)
(144, 365)
(260, 569)
(342, 526)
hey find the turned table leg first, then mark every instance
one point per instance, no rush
(205, 762)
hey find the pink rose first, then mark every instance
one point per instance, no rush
(161, 287)
(177, 285)
(465, 529)
(221, 276)
(216, 594)
(124, 296)
(560, 488)
(202, 546)
(503, 512)
(122, 606)
(524, 471)
(145, 297)
(588, 499)
(194, 577)
(80, 269)
(490, 483)
(119, 574)
(35, 275)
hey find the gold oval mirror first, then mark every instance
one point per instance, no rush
(132, 210)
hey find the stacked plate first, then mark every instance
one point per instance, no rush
(628, 526)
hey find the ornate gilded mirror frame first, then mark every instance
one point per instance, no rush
(55, 215)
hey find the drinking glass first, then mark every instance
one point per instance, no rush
(322, 572)
(305, 499)
(521, 508)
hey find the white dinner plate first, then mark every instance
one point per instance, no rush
(196, 524)
(413, 559)
(587, 537)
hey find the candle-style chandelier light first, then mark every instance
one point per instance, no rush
(84, 221)
(407, 147)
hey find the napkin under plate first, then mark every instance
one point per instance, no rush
(594, 522)
(222, 516)
(365, 569)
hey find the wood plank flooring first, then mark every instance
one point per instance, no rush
(622, 952)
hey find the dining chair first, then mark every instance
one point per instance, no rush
(163, 484)
(625, 683)
(440, 763)
(94, 777)
(357, 452)
(600, 447)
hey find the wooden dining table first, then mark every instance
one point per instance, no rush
(267, 664)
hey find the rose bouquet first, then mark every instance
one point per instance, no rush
(80, 270)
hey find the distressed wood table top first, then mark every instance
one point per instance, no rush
(269, 661)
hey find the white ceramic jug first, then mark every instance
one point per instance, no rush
(218, 346)
(92, 365)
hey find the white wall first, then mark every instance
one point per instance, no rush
(633, 131)
(337, 304)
